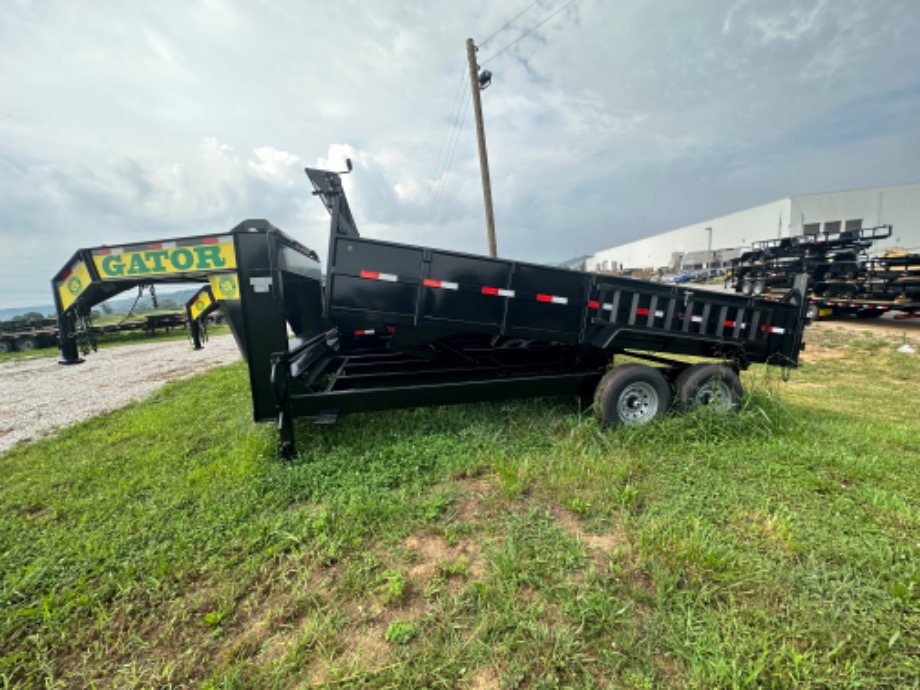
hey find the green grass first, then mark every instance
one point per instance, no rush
(512, 545)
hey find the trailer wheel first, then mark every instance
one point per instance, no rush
(26, 344)
(746, 288)
(713, 385)
(5, 347)
(632, 394)
(758, 288)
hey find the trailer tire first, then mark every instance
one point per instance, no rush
(632, 395)
(713, 385)
(746, 288)
(758, 287)
(5, 347)
(26, 344)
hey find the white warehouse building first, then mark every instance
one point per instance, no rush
(714, 242)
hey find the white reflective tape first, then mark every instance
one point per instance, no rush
(608, 306)
(560, 300)
(168, 245)
(505, 293)
(388, 277)
(659, 314)
(449, 286)
(778, 331)
(696, 319)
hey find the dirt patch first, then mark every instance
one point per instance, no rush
(433, 555)
(485, 679)
(888, 328)
(605, 543)
(668, 667)
(476, 495)
(821, 354)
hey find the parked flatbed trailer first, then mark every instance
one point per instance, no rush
(843, 277)
(400, 325)
(36, 335)
(27, 335)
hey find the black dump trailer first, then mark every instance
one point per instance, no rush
(396, 325)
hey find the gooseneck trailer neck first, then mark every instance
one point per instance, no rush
(399, 325)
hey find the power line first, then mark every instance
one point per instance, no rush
(525, 35)
(450, 159)
(452, 134)
(509, 22)
(454, 116)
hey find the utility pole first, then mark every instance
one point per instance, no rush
(481, 136)
(709, 250)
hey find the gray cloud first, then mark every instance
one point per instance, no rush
(122, 122)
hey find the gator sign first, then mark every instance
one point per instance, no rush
(73, 283)
(165, 258)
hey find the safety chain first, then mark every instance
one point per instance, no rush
(85, 333)
(140, 293)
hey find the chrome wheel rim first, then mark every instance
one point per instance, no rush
(714, 394)
(638, 403)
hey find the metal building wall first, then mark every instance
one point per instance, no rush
(896, 205)
(734, 230)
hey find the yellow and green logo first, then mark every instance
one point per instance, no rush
(70, 287)
(225, 286)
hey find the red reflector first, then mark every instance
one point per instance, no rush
(211, 240)
(391, 329)
(544, 298)
(730, 324)
(431, 283)
(67, 275)
(103, 252)
(370, 274)
(642, 312)
(490, 291)
(155, 245)
(594, 305)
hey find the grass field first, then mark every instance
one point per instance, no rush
(507, 545)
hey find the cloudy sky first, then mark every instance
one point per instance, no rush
(128, 121)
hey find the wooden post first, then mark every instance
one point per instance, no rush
(481, 136)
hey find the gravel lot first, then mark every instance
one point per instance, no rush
(38, 396)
